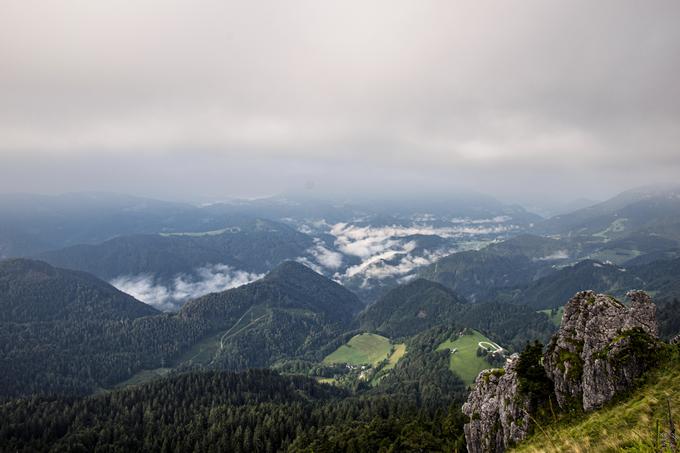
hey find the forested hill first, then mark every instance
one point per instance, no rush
(289, 286)
(411, 308)
(33, 291)
(421, 304)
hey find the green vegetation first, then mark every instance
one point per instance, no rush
(68, 333)
(465, 362)
(534, 383)
(637, 422)
(145, 376)
(420, 305)
(252, 411)
(397, 354)
(34, 291)
(250, 245)
(554, 314)
(363, 349)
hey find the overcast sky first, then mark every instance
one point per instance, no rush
(202, 99)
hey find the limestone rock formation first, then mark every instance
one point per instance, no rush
(497, 411)
(601, 348)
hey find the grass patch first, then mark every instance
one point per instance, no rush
(465, 362)
(555, 315)
(327, 380)
(363, 349)
(629, 425)
(397, 354)
(144, 376)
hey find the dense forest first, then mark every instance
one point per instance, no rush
(256, 410)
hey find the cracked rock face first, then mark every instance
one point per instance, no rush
(601, 348)
(497, 411)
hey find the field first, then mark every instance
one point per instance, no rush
(363, 349)
(397, 354)
(465, 362)
(630, 425)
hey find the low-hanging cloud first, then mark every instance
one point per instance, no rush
(208, 279)
(367, 241)
(327, 258)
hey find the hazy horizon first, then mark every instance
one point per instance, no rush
(529, 102)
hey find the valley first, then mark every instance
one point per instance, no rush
(387, 312)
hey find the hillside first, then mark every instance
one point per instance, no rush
(488, 274)
(628, 424)
(417, 306)
(253, 246)
(290, 285)
(411, 308)
(363, 349)
(661, 277)
(648, 210)
(33, 291)
(551, 291)
(291, 311)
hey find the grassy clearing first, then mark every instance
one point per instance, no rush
(555, 316)
(144, 376)
(630, 425)
(617, 226)
(202, 352)
(465, 362)
(617, 256)
(363, 349)
(329, 380)
(398, 352)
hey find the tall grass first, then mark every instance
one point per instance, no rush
(644, 421)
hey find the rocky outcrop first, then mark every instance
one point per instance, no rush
(601, 348)
(496, 409)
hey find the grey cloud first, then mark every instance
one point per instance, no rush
(508, 96)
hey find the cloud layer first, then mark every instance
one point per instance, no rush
(518, 97)
(209, 279)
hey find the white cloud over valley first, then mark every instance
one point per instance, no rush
(208, 279)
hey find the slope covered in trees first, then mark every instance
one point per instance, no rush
(251, 245)
(419, 305)
(411, 308)
(292, 312)
(33, 291)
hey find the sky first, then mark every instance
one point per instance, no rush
(202, 100)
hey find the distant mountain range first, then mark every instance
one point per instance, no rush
(254, 245)
(283, 284)
(648, 211)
